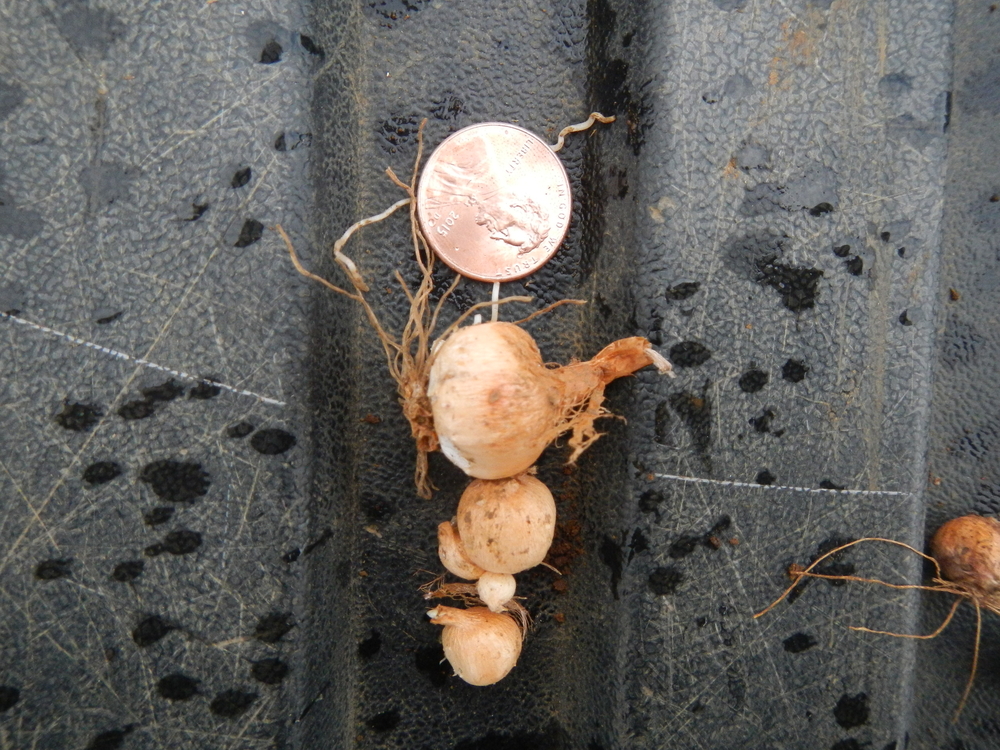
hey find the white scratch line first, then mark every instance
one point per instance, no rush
(755, 486)
(142, 362)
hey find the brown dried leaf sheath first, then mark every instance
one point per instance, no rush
(585, 383)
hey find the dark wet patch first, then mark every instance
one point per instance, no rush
(204, 390)
(835, 564)
(683, 546)
(229, 704)
(430, 660)
(665, 580)
(9, 696)
(78, 417)
(851, 710)
(127, 571)
(762, 423)
(90, 31)
(180, 542)
(101, 472)
(176, 481)
(798, 287)
(689, 354)
(50, 570)
(111, 740)
(272, 441)
(19, 223)
(753, 380)
(385, 721)
(799, 642)
(794, 370)
(650, 500)
(158, 515)
(269, 671)
(197, 211)
(272, 627)
(895, 84)
(151, 629)
(757, 257)
(105, 317)
(637, 544)
(11, 97)
(163, 392)
(696, 413)
(139, 409)
(765, 477)
(241, 177)
(683, 290)
(239, 430)
(251, 232)
(613, 556)
(177, 687)
(370, 645)
(310, 46)
(270, 54)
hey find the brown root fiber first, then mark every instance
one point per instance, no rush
(958, 548)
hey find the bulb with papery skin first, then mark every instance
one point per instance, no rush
(496, 590)
(507, 525)
(496, 406)
(968, 550)
(452, 553)
(481, 646)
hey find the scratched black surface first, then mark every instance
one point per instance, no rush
(796, 203)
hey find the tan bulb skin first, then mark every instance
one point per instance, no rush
(507, 525)
(496, 405)
(968, 550)
(452, 553)
(496, 590)
(481, 646)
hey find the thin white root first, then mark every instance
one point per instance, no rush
(346, 263)
(580, 127)
(496, 298)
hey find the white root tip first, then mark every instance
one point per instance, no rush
(660, 362)
(432, 613)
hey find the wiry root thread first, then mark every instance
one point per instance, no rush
(938, 586)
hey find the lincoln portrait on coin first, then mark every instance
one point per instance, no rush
(518, 221)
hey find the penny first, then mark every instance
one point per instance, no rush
(494, 202)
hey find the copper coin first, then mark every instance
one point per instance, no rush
(494, 202)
